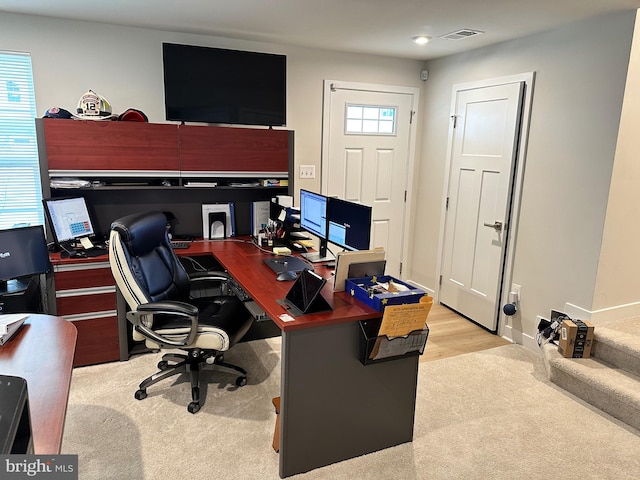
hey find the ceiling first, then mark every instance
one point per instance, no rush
(382, 27)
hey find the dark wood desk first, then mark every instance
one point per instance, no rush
(332, 406)
(41, 352)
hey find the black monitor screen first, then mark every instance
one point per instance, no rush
(23, 253)
(349, 224)
(69, 218)
(313, 213)
(216, 85)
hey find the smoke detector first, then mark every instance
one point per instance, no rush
(460, 34)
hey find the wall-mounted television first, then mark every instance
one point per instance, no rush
(215, 85)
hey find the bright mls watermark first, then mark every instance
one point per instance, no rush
(50, 467)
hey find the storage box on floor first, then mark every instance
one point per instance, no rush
(576, 338)
(405, 320)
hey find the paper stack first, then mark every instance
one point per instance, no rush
(9, 324)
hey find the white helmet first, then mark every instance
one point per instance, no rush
(93, 106)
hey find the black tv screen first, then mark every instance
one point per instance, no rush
(215, 85)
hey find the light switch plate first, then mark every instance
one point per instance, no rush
(307, 171)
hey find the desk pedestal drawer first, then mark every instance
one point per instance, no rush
(79, 304)
(97, 340)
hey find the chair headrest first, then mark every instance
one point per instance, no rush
(142, 232)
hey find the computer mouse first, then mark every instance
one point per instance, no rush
(286, 276)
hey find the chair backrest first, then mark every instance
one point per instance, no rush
(142, 260)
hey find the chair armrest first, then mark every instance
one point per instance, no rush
(201, 279)
(182, 309)
(209, 275)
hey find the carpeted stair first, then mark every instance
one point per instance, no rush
(610, 379)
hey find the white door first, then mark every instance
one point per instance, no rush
(483, 156)
(366, 157)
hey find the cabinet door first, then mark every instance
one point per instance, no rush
(234, 150)
(99, 146)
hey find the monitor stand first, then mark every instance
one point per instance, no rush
(317, 257)
(13, 286)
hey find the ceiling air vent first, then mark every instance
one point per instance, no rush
(460, 34)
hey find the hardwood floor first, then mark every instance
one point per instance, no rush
(451, 334)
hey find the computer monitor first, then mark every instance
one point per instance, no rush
(348, 224)
(313, 218)
(23, 254)
(69, 219)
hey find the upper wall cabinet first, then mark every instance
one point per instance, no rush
(230, 150)
(132, 149)
(76, 146)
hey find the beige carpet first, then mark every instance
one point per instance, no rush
(483, 415)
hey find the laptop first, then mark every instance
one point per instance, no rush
(304, 296)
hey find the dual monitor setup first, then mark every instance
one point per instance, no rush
(343, 223)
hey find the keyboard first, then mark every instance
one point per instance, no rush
(179, 244)
(96, 252)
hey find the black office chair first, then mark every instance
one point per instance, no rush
(163, 312)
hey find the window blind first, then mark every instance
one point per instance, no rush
(20, 191)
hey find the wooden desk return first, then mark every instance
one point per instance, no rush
(41, 352)
(333, 407)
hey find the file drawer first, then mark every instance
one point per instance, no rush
(86, 296)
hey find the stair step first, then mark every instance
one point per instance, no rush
(617, 348)
(611, 389)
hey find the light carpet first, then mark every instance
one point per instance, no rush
(484, 415)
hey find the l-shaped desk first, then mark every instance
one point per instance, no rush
(332, 406)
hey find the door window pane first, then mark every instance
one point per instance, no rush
(370, 119)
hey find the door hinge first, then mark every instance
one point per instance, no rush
(411, 114)
(405, 196)
(446, 205)
(401, 268)
(454, 119)
(440, 281)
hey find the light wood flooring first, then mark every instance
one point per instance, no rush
(451, 334)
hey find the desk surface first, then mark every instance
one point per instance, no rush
(245, 262)
(42, 352)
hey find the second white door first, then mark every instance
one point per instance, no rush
(483, 156)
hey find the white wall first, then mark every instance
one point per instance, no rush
(616, 292)
(580, 77)
(125, 66)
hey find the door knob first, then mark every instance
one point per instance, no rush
(497, 226)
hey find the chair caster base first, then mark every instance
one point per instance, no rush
(241, 381)
(141, 394)
(193, 407)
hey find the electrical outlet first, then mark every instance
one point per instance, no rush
(514, 294)
(307, 171)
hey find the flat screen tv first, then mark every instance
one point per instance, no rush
(215, 85)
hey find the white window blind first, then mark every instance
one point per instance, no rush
(20, 192)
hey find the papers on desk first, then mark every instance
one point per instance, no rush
(9, 325)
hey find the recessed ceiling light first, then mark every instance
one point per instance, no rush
(421, 39)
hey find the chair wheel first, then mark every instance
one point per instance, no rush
(241, 381)
(193, 407)
(163, 365)
(141, 394)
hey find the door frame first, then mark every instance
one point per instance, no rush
(504, 326)
(328, 85)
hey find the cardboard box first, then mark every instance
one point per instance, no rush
(364, 289)
(576, 339)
